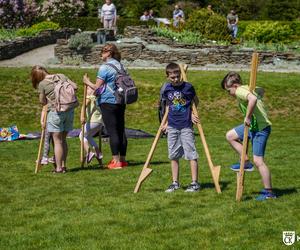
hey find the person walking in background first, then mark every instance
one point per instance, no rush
(232, 23)
(113, 114)
(108, 15)
(210, 10)
(178, 16)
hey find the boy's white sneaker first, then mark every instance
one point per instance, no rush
(193, 187)
(174, 186)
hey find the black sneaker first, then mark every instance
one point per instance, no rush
(174, 186)
(193, 187)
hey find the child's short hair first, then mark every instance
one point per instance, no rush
(231, 78)
(171, 67)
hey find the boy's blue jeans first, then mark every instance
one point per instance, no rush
(258, 139)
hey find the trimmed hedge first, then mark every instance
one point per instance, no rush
(93, 23)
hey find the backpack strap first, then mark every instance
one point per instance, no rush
(110, 89)
(116, 69)
(118, 72)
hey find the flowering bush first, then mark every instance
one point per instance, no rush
(17, 13)
(62, 9)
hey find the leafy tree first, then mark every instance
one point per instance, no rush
(282, 10)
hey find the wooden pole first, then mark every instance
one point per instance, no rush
(44, 123)
(100, 145)
(82, 157)
(240, 174)
(215, 170)
(146, 171)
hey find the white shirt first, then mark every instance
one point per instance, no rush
(144, 18)
(108, 12)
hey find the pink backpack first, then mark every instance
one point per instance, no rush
(65, 93)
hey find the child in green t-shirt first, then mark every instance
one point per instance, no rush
(256, 118)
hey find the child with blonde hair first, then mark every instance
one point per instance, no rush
(93, 125)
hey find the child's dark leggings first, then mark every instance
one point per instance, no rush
(114, 120)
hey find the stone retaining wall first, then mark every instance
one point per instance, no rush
(11, 49)
(194, 57)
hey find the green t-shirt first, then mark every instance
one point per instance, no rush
(93, 113)
(259, 118)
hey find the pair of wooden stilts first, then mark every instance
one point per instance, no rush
(82, 152)
(215, 170)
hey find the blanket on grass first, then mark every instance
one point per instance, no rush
(13, 134)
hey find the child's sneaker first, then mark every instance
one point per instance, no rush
(51, 159)
(44, 161)
(114, 165)
(99, 156)
(124, 164)
(266, 195)
(193, 187)
(248, 167)
(174, 186)
(90, 156)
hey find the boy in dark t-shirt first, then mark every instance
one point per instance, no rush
(181, 139)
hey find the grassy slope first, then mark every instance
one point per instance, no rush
(92, 209)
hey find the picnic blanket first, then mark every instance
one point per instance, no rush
(12, 133)
(9, 134)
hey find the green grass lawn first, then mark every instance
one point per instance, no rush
(95, 208)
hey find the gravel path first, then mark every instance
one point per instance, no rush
(37, 56)
(45, 56)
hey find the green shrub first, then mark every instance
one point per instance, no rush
(242, 25)
(83, 23)
(211, 26)
(197, 21)
(93, 23)
(184, 36)
(25, 32)
(73, 60)
(295, 27)
(46, 25)
(7, 34)
(37, 28)
(266, 32)
(81, 41)
(216, 28)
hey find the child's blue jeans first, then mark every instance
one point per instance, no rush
(258, 139)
